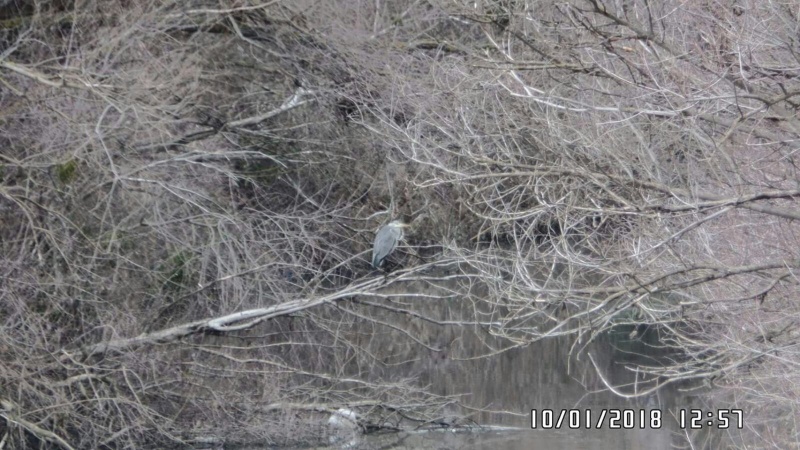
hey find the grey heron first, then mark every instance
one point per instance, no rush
(386, 241)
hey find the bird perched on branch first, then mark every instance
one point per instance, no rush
(386, 241)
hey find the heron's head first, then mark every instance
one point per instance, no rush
(398, 224)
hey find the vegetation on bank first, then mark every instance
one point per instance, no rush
(188, 194)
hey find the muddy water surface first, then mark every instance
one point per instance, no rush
(501, 389)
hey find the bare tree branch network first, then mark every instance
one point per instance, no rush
(189, 191)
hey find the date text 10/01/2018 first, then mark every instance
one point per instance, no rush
(630, 418)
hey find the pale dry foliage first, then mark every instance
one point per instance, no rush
(584, 165)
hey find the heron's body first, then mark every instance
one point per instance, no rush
(386, 241)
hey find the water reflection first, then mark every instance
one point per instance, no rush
(501, 390)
